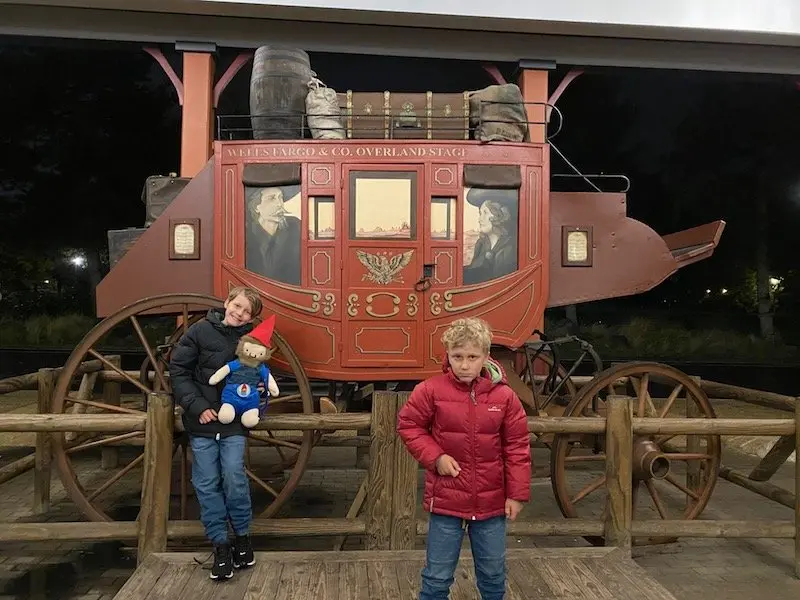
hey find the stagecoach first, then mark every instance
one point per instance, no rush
(366, 248)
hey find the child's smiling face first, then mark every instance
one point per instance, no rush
(238, 311)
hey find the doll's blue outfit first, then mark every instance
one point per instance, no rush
(241, 386)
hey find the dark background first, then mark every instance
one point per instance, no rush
(84, 123)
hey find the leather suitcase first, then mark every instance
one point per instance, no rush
(403, 115)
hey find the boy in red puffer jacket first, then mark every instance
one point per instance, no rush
(468, 429)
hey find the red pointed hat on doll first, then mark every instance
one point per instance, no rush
(263, 333)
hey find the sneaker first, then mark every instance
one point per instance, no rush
(223, 562)
(243, 552)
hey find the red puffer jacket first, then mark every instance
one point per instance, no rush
(483, 427)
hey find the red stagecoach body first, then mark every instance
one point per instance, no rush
(374, 254)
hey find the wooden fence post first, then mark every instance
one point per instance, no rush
(619, 449)
(42, 466)
(380, 471)
(404, 495)
(154, 511)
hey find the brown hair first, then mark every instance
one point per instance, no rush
(465, 331)
(252, 297)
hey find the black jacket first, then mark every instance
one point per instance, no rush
(204, 348)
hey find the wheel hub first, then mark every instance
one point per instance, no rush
(648, 460)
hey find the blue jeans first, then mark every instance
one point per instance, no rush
(488, 541)
(221, 485)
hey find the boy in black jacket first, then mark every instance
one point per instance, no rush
(218, 471)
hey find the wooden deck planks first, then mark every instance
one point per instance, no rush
(546, 574)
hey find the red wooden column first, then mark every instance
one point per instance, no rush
(533, 84)
(197, 127)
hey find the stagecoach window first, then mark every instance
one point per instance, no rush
(491, 225)
(321, 218)
(443, 218)
(383, 205)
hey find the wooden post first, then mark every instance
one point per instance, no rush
(619, 450)
(46, 381)
(109, 457)
(381, 471)
(157, 468)
(404, 495)
(797, 488)
(693, 447)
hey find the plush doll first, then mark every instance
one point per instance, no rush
(240, 396)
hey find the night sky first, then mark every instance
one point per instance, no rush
(87, 122)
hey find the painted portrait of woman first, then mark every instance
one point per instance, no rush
(494, 253)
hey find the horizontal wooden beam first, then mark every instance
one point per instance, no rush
(49, 532)
(277, 528)
(766, 427)
(105, 423)
(759, 397)
(565, 527)
(714, 529)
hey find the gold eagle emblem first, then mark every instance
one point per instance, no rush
(383, 270)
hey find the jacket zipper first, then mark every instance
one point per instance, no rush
(474, 415)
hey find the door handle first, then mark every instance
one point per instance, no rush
(424, 283)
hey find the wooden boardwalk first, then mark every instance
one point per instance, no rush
(546, 574)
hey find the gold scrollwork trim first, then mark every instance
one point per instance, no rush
(436, 303)
(352, 305)
(395, 302)
(413, 305)
(328, 304)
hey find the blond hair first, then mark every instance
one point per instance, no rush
(252, 297)
(471, 330)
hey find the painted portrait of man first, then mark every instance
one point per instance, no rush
(272, 242)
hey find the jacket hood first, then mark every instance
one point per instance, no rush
(492, 372)
(215, 316)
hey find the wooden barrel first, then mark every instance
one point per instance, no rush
(278, 90)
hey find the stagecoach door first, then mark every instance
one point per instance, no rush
(382, 263)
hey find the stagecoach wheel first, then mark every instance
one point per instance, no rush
(90, 489)
(673, 476)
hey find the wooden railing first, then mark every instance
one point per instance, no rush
(391, 496)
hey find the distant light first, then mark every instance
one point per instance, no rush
(775, 281)
(708, 292)
(47, 281)
(724, 291)
(78, 261)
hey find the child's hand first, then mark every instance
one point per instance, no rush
(512, 508)
(447, 465)
(208, 415)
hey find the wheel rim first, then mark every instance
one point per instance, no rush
(653, 481)
(177, 304)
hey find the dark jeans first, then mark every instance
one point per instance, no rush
(221, 485)
(488, 541)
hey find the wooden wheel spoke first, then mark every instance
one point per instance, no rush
(593, 486)
(185, 321)
(109, 407)
(280, 399)
(105, 441)
(651, 487)
(120, 372)
(584, 457)
(642, 392)
(116, 477)
(139, 332)
(694, 495)
(673, 395)
(262, 483)
(687, 456)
